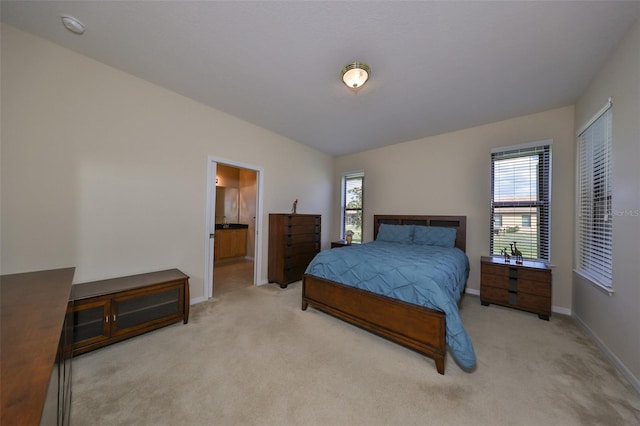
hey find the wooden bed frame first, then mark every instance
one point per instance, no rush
(413, 326)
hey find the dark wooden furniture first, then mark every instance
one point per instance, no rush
(415, 327)
(526, 287)
(339, 243)
(35, 352)
(108, 311)
(294, 239)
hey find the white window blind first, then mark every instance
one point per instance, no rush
(521, 200)
(594, 222)
(352, 195)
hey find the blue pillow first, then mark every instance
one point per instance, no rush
(395, 233)
(434, 236)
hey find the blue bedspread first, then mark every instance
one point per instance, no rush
(424, 275)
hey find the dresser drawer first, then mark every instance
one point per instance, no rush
(513, 271)
(302, 220)
(290, 239)
(301, 259)
(533, 303)
(497, 270)
(306, 247)
(302, 229)
(495, 295)
(538, 288)
(500, 281)
(532, 275)
(528, 302)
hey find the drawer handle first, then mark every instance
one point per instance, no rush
(114, 317)
(106, 319)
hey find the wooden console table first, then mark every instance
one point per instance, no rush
(108, 311)
(35, 353)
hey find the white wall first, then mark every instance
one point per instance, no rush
(248, 192)
(107, 172)
(450, 174)
(615, 320)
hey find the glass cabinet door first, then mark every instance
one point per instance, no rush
(90, 321)
(140, 310)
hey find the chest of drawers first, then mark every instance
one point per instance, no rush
(294, 239)
(526, 287)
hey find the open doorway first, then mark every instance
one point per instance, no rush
(233, 223)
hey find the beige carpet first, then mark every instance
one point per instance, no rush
(251, 356)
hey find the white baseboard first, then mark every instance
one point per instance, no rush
(633, 380)
(197, 300)
(561, 310)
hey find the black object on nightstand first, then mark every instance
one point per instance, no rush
(339, 243)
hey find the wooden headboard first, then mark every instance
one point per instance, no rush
(458, 222)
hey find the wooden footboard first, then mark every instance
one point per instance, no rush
(415, 327)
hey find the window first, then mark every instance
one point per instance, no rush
(352, 192)
(594, 221)
(521, 200)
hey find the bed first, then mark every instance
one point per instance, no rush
(339, 282)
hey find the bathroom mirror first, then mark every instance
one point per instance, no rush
(227, 205)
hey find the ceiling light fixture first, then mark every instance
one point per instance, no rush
(72, 24)
(355, 74)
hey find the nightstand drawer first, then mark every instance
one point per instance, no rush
(529, 274)
(537, 288)
(533, 303)
(495, 295)
(497, 270)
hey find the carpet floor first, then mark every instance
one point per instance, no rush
(251, 356)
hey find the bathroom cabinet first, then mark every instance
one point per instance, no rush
(230, 243)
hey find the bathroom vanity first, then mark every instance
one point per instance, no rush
(230, 241)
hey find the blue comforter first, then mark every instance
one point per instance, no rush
(424, 275)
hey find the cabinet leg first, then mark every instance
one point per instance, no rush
(483, 303)
(305, 305)
(543, 317)
(283, 285)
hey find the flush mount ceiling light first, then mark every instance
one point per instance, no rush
(355, 74)
(72, 24)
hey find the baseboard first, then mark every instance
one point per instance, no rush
(633, 380)
(561, 310)
(197, 300)
(472, 291)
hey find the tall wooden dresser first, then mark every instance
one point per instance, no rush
(526, 287)
(294, 239)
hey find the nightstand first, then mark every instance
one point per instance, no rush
(526, 287)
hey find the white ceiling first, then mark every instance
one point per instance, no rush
(436, 66)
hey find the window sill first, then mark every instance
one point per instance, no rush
(603, 288)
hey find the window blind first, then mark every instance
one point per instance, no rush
(521, 200)
(594, 222)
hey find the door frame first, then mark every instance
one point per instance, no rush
(212, 165)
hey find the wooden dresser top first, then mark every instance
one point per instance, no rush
(34, 306)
